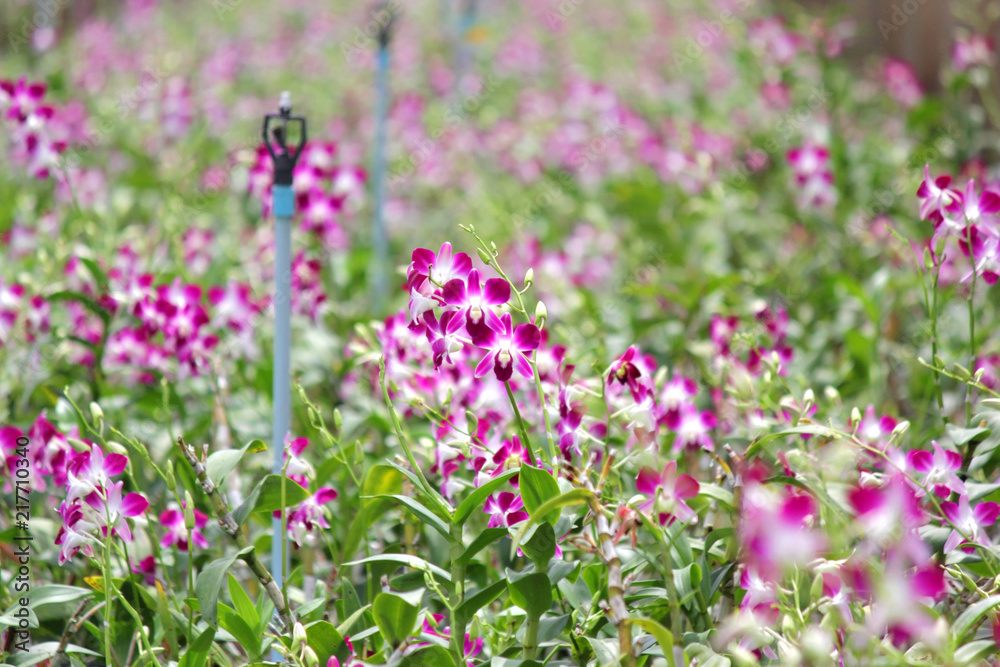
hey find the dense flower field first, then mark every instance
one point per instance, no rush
(673, 340)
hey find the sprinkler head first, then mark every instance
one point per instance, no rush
(284, 157)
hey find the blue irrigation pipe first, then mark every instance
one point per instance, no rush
(380, 239)
(466, 21)
(284, 208)
(283, 205)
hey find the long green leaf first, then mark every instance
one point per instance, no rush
(483, 540)
(404, 560)
(232, 623)
(480, 599)
(538, 487)
(198, 652)
(530, 591)
(222, 462)
(759, 443)
(421, 512)
(241, 601)
(266, 497)
(396, 616)
(325, 639)
(476, 499)
(573, 497)
(964, 623)
(210, 581)
(663, 637)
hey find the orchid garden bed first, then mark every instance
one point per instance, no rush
(629, 334)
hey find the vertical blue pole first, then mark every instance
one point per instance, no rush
(466, 21)
(380, 241)
(284, 208)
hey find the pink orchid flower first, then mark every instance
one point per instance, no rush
(505, 509)
(474, 298)
(939, 469)
(507, 347)
(970, 521)
(177, 532)
(937, 198)
(667, 492)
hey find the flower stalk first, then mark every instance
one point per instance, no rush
(231, 528)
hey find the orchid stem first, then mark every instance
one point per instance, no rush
(520, 424)
(972, 325)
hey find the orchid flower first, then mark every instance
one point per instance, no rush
(306, 518)
(177, 533)
(443, 335)
(939, 470)
(937, 198)
(970, 521)
(112, 509)
(507, 347)
(505, 509)
(667, 492)
(474, 298)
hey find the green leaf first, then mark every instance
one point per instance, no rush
(973, 652)
(537, 487)
(964, 623)
(208, 584)
(167, 619)
(265, 611)
(573, 497)
(404, 560)
(46, 651)
(706, 656)
(266, 497)
(477, 498)
(499, 661)
(715, 536)
(380, 480)
(532, 592)
(960, 436)
(246, 636)
(421, 512)
(663, 637)
(758, 444)
(396, 616)
(241, 601)
(432, 656)
(480, 599)
(540, 546)
(345, 627)
(606, 650)
(350, 599)
(84, 300)
(197, 654)
(325, 639)
(484, 539)
(560, 569)
(56, 594)
(687, 580)
(222, 462)
(716, 492)
(95, 270)
(549, 628)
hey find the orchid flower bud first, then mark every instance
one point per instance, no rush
(168, 475)
(541, 312)
(189, 518)
(298, 636)
(97, 413)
